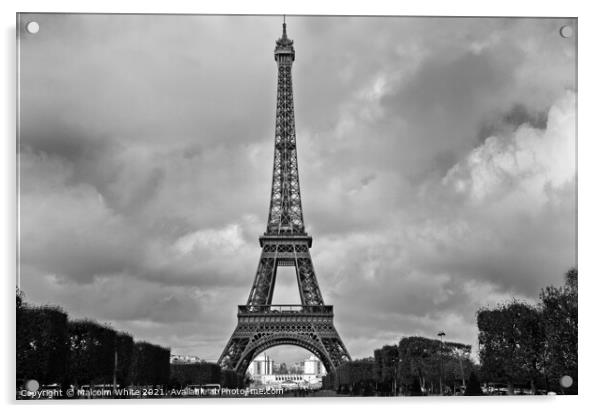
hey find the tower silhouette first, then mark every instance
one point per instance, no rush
(262, 325)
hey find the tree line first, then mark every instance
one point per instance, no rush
(417, 365)
(533, 346)
(520, 345)
(52, 349)
(198, 374)
(57, 351)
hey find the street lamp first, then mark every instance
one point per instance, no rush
(441, 334)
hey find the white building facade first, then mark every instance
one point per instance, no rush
(262, 373)
(261, 366)
(313, 365)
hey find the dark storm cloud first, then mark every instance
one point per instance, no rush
(436, 164)
(508, 122)
(449, 95)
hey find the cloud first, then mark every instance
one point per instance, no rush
(509, 203)
(521, 167)
(436, 161)
(69, 229)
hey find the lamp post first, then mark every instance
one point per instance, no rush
(441, 334)
(462, 372)
(115, 364)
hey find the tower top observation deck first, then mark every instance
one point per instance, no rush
(284, 46)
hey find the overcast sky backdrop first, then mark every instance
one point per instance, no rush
(437, 169)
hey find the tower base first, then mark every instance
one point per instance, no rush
(263, 326)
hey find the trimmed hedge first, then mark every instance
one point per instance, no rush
(150, 364)
(184, 374)
(125, 352)
(51, 349)
(91, 352)
(357, 377)
(42, 352)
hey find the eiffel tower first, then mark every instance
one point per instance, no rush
(262, 325)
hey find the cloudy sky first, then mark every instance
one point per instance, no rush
(437, 169)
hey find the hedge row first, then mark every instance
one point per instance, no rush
(55, 350)
(413, 365)
(354, 377)
(183, 375)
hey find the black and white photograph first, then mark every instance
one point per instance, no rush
(295, 206)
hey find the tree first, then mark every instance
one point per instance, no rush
(296, 368)
(20, 296)
(91, 352)
(461, 362)
(328, 381)
(361, 377)
(124, 349)
(473, 387)
(511, 343)
(150, 364)
(559, 308)
(41, 343)
(210, 373)
(184, 374)
(283, 369)
(229, 379)
(387, 368)
(457, 364)
(51, 349)
(415, 389)
(377, 370)
(420, 359)
(519, 343)
(355, 377)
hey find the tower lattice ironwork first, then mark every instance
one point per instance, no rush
(262, 325)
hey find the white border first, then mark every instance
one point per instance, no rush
(589, 153)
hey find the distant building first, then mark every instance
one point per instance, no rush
(261, 366)
(304, 374)
(313, 365)
(179, 359)
(296, 368)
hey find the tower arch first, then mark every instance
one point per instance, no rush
(282, 339)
